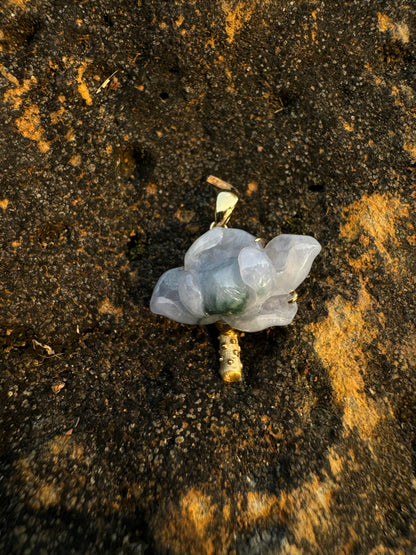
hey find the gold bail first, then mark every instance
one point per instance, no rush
(226, 201)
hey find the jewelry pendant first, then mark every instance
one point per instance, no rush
(229, 278)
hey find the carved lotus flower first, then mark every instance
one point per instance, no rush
(228, 276)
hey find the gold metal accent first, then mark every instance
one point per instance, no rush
(230, 367)
(226, 201)
(294, 297)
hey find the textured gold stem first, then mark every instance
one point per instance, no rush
(230, 362)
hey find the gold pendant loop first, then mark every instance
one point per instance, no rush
(226, 201)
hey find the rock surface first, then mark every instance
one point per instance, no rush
(117, 434)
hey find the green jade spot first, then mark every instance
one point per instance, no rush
(223, 289)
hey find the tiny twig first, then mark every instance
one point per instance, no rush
(230, 362)
(106, 82)
(220, 183)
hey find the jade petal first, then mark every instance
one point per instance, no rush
(206, 242)
(165, 299)
(257, 270)
(214, 245)
(277, 311)
(292, 257)
(191, 296)
(210, 319)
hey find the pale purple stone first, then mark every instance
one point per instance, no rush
(229, 276)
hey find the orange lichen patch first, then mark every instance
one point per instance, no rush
(65, 445)
(106, 307)
(84, 92)
(340, 342)
(411, 149)
(57, 387)
(384, 22)
(29, 126)
(184, 216)
(56, 116)
(151, 189)
(382, 550)
(199, 526)
(4, 203)
(335, 463)
(46, 495)
(398, 31)
(252, 187)
(198, 509)
(347, 126)
(75, 160)
(236, 15)
(367, 260)
(226, 512)
(305, 511)
(179, 21)
(14, 95)
(378, 80)
(395, 92)
(70, 135)
(82, 87)
(17, 3)
(185, 528)
(374, 216)
(259, 506)
(228, 73)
